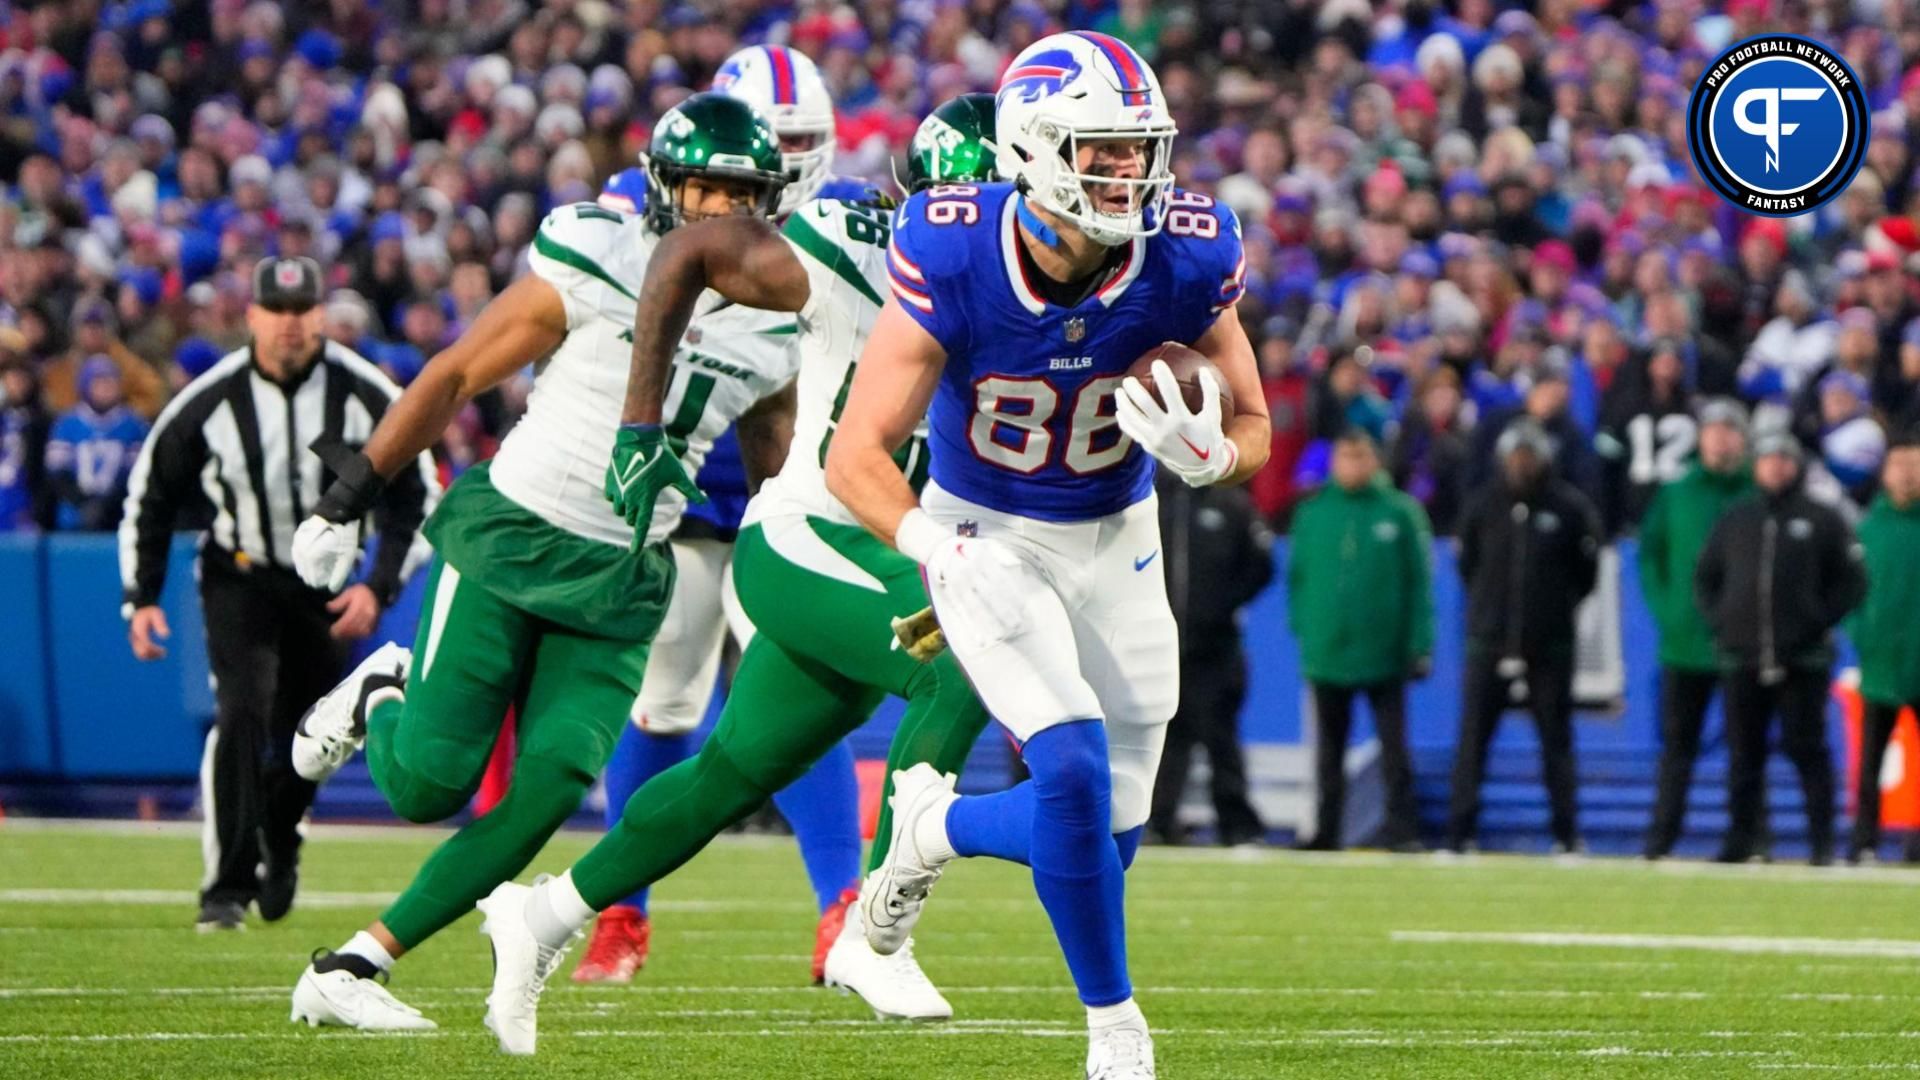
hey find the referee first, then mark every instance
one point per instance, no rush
(240, 442)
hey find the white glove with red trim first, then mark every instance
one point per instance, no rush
(1192, 444)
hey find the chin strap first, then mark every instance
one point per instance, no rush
(1041, 230)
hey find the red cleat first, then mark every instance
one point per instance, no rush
(831, 921)
(618, 948)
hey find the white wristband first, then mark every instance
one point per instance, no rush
(917, 535)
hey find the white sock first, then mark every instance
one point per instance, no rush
(555, 911)
(930, 833)
(368, 948)
(1125, 1014)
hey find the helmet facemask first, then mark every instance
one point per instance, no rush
(667, 179)
(1079, 196)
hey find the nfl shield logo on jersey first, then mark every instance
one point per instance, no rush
(967, 528)
(1076, 328)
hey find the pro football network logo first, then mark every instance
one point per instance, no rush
(1778, 125)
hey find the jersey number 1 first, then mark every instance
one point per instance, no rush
(1010, 425)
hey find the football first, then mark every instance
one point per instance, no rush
(1187, 363)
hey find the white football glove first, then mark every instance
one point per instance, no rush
(324, 553)
(979, 591)
(1192, 444)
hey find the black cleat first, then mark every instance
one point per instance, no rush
(277, 887)
(218, 915)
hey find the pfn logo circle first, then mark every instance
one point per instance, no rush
(1778, 125)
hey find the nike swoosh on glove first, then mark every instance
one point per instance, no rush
(1192, 444)
(643, 466)
(979, 590)
(324, 552)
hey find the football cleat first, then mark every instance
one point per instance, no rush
(618, 947)
(347, 994)
(336, 725)
(521, 968)
(828, 932)
(1120, 1053)
(892, 896)
(217, 915)
(277, 887)
(893, 986)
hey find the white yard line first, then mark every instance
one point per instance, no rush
(321, 899)
(1879, 948)
(1265, 857)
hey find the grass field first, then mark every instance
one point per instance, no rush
(1249, 966)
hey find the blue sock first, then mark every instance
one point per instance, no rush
(823, 807)
(637, 758)
(1075, 859)
(999, 825)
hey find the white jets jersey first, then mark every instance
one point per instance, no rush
(843, 246)
(554, 461)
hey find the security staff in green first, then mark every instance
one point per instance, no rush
(1672, 533)
(1884, 629)
(1360, 601)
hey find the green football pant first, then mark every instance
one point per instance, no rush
(476, 655)
(821, 596)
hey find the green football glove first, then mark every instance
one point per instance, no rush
(643, 466)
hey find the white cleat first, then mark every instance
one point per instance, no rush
(894, 986)
(1120, 1053)
(343, 999)
(891, 897)
(521, 968)
(336, 725)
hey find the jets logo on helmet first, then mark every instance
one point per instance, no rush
(787, 89)
(1063, 100)
(953, 145)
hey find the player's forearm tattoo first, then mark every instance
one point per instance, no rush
(675, 278)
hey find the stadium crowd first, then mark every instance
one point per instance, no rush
(1457, 216)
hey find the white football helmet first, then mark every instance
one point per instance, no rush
(1069, 89)
(787, 89)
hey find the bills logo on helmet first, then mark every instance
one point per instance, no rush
(728, 74)
(1042, 75)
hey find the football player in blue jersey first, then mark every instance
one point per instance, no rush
(822, 806)
(1017, 310)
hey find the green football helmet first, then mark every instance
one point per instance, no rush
(953, 145)
(710, 135)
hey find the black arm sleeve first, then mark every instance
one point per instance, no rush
(402, 510)
(162, 480)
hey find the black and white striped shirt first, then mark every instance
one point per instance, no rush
(242, 442)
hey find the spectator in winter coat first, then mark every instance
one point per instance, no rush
(1360, 601)
(1792, 346)
(1884, 629)
(26, 499)
(1429, 455)
(1679, 518)
(1529, 553)
(1778, 573)
(1545, 405)
(92, 449)
(1852, 444)
(94, 334)
(1647, 433)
